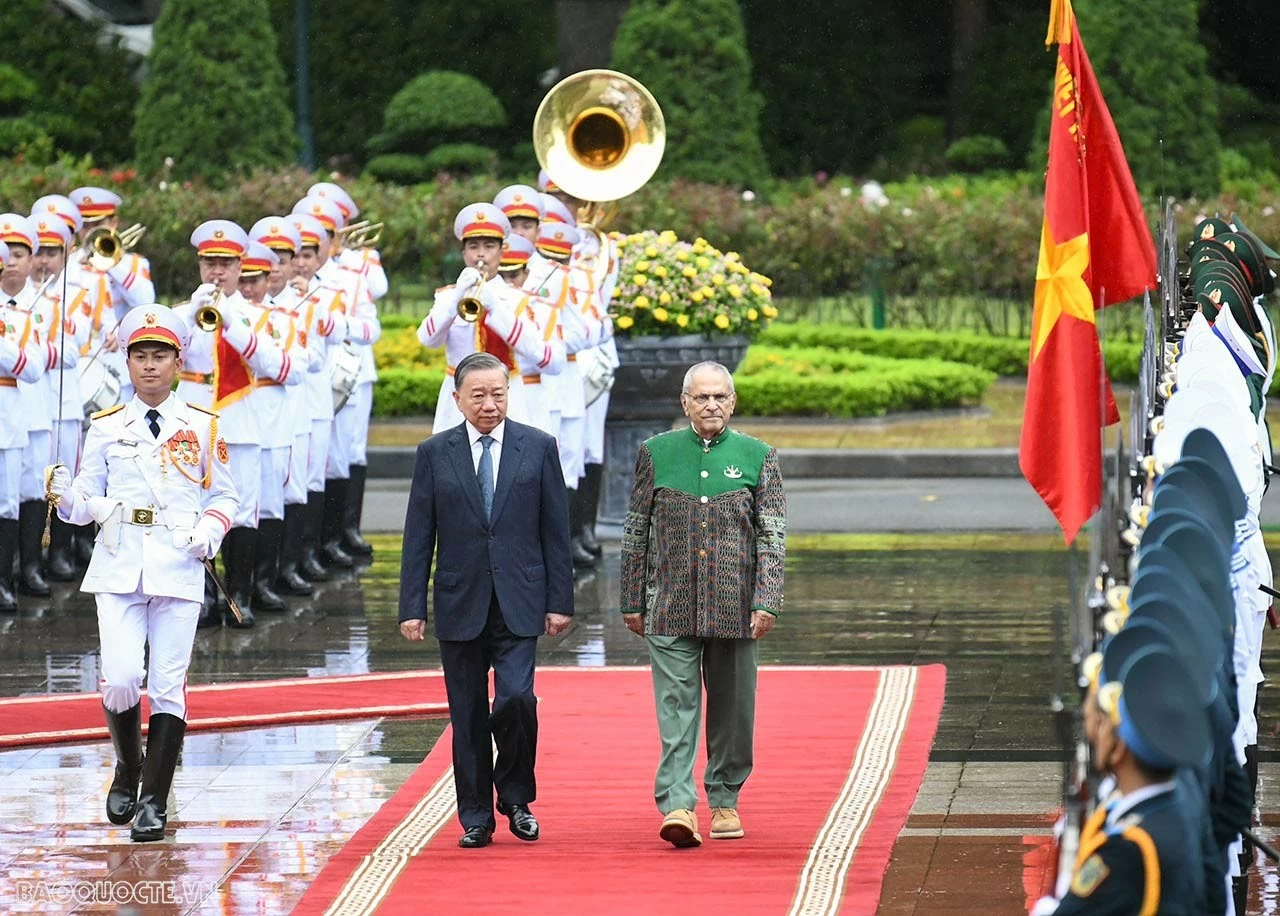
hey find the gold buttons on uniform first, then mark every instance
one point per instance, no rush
(704, 524)
(702, 553)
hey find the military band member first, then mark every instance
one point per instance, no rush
(498, 329)
(285, 299)
(129, 279)
(324, 318)
(513, 268)
(219, 367)
(156, 477)
(269, 403)
(595, 305)
(64, 329)
(21, 294)
(349, 441)
(21, 360)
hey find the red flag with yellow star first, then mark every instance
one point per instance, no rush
(1095, 248)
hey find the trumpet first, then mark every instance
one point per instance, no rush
(106, 247)
(469, 306)
(209, 317)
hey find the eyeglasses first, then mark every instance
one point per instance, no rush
(703, 399)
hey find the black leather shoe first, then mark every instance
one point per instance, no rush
(524, 826)
(475, 838)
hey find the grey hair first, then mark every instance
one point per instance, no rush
(475, 362)
(706, 364)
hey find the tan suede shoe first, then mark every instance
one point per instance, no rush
(680, 829)
(725, 824)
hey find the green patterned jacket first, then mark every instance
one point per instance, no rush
(705, 537)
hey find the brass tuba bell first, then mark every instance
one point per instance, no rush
(599, 134)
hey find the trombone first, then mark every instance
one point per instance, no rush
(363, 234)
(106, 247)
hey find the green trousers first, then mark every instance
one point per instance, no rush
(681, 666)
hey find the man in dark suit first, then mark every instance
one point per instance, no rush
(490, 495)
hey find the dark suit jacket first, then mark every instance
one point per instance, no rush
(522, 554)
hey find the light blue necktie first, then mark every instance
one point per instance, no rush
(485, 473)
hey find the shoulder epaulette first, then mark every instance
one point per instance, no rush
(106, 413)
(212, 413)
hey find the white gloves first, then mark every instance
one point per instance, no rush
(59, 478)
(203, 295)
(467, 281)
(205, 539)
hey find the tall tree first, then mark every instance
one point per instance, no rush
(85, 92)
(692, 55)
(214, 98)
(363, 51)
(584, 33)
(1159, 90)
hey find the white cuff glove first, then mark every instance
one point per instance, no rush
(205, 539)
(59, 478)
(467, 280)
(203, 295)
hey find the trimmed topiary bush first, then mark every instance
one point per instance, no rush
(399, 168)
(450, 121)
(214, 99)
(692, 55)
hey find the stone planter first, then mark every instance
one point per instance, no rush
(645, 400)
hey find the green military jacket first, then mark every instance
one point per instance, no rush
(705, 536)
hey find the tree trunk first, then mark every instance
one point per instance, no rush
(584, 33)
(968, 17)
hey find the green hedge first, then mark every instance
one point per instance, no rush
(1001, 355)
(865, 386)
(949, 238)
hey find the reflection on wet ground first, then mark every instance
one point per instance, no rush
(260, 811)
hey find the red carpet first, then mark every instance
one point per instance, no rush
(72, 717)
(840, 755)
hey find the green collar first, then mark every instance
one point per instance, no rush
(699, 441)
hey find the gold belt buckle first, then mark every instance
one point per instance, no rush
(143, 516)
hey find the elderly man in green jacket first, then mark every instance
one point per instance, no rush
(702, 557)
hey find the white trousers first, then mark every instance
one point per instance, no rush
(570, 441)
(1250, 566)
(350, 432)
(318, 454)
(295, 484)
(275, 470)
(593, 433)
(246, 470)
(35, 458)
(10, 482)
(127, 623)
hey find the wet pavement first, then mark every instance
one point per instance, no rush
(260, 811)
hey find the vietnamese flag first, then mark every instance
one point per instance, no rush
(232, 379)
(1095, 249)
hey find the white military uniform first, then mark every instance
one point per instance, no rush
(325, 321)
(598, 410)
(499, 329)
(150, 494)
(350, 436)
(22, 362)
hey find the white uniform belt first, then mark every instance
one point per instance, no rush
(149, 516)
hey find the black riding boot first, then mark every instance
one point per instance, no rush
(62, 567)
(30, 531)
(352, 542)
(164, 743)
(290, 580)
(267, 564)
(126, 736)
(237, 559)
(589, 488)
(335, 516)
(313, 524)
(8, 550)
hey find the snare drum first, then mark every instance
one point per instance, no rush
(99, 386)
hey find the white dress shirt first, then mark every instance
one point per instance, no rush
(495, 450)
